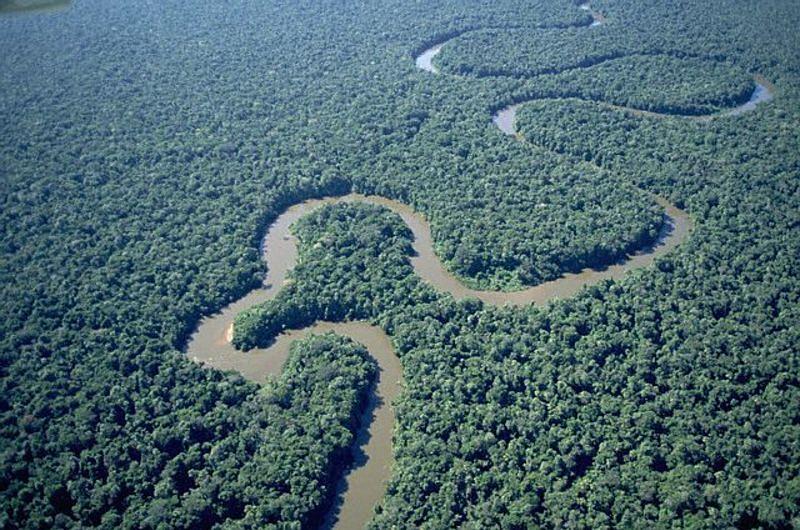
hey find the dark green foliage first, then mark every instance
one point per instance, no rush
(670, 85)
(604, 64)
(146, 145)
(504, 215)
(264, 475)
(281, 471)
(223, 452)
(351, 255)
(555, 218)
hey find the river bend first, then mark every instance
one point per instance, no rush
(504, 119)
(363, 486)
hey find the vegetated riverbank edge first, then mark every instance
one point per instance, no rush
(763, 91)
(364, 486)
(211, 342)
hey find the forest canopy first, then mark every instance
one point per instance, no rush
(148, 145)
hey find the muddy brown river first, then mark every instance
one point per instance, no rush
(364, 485)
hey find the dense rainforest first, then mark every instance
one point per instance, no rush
(148, 145)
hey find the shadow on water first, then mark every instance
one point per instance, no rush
(667, 228)
(664, 233)
(358, 455)
(30, 6)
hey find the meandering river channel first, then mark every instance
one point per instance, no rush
(363, 487)
(504, 118)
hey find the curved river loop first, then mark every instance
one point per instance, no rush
(365, 484)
